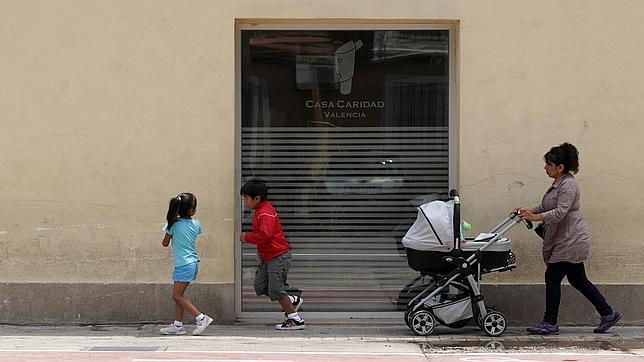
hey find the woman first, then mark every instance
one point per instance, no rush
(566, 240)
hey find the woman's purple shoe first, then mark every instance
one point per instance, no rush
(608, 321)
(544, 329)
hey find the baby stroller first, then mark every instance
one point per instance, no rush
(435, 248)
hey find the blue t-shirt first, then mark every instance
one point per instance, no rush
(184, 237)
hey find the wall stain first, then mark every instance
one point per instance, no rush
(515, 185)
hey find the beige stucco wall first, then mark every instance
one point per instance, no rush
(538, 73)
(109, 108)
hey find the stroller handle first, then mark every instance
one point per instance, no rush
(528, 223)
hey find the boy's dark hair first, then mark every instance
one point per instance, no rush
(179, 207)
(254, 188)
(565, 154)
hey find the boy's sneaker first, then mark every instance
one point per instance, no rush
(173, 330)
(608, 321)
(201, 326)
(290, 325)
(544, 328)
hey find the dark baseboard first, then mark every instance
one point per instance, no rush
(524, 304)
(122, 303)
(93, 303)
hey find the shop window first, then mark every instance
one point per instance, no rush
(350, 129)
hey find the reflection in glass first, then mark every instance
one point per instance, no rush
(350, 130)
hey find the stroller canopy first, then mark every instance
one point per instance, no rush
(433, 228)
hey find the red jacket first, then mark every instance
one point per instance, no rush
(267, 232)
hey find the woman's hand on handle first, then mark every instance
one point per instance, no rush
(520, 210)
(528, 214)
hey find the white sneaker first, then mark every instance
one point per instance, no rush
(201, 326)
(290, 325)
(173, 330)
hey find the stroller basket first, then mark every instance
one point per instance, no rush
(427, 262)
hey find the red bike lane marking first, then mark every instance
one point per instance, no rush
(537, 357)
(203, 356)
(234, 356)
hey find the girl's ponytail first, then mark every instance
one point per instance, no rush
(173, 211)
(180, 206)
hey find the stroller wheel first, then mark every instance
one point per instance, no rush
(479, 318)
(422, 323)
(407, 317)
(494, 324)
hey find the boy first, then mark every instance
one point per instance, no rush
(274, 253)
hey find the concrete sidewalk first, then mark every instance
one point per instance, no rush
(379, 335)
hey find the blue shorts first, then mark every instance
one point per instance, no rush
(186, 273)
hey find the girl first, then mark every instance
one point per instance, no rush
(182, 229)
